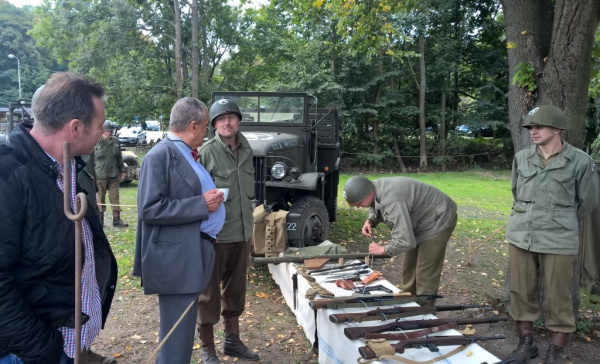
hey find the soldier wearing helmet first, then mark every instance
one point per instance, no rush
(228, 159)
(554, 186)
(110, 171)
(421, 219)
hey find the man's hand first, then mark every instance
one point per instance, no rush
(122, 177)
(366, 229)
(213, 199)
(376, 249)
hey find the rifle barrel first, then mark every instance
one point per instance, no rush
(357, 332)
(430, 342)
(384, 314)
(407, 297)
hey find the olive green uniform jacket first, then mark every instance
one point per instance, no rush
(549, 202)
(413, 210)
(108, 158)
(238, 176)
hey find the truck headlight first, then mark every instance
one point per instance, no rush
(278, 170)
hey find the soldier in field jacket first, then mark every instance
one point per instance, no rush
(421, 219)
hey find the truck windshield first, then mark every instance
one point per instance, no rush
(270, 109)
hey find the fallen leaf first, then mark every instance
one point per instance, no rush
(467, 331)
(136, 337)
(196, 346)
(117, 355)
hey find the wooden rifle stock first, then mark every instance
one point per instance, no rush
(354, 333)
(431, 343)
(385, 314)
(404, 296)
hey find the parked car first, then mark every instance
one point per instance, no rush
(153, 125)
(132, 135)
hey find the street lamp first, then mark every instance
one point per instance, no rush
(18, 70)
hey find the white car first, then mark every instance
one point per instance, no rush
(132, 135)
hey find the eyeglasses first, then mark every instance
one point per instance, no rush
(222, 118)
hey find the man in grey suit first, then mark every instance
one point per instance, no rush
(180, 215)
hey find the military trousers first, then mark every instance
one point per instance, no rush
(225, 294)
(112, 186)
(422, 266)
(556, 272)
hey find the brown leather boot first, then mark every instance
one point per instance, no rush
(558, 341)
(232, 345)
(117, 222)
(207, 350)
(526, 349)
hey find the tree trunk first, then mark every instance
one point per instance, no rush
(399, 157)
(178, 82)
(375, 124)
(556, 38)
(205, 65)
(443, 124)
(422, 88)
(195, 48)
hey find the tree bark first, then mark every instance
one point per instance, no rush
(205, 65)
(556, 37)
(195, 48)
(443, 124)
(177, 15)
(422, 89)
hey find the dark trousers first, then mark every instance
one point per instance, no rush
(229, 272)
(112, 186)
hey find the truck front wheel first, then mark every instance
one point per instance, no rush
(308, 222)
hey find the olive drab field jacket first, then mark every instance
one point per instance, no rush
(238, 176)
(108, 158)
(413, 210)
(550, 201)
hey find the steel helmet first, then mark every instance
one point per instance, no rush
(223, 106)
(547, 115)
(109, 126)
(34, 98)
(357, 188)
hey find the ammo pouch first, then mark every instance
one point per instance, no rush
(270, 231)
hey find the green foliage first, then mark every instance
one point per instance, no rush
(525, 76)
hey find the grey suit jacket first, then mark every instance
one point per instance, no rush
(170, 255)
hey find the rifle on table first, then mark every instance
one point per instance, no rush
(370, 300)
(430, 343)
(385, 314)
(430, 326)
(300, 259)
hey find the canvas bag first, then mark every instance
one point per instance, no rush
(270, 232)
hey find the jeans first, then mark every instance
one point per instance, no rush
(13, 359)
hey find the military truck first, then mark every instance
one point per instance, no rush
(296, 158)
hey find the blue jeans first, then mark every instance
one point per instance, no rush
(13, 359)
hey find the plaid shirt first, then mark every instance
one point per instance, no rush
(90, 294)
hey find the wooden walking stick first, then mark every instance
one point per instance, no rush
(80, 211)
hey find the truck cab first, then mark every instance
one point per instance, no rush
(296, 158)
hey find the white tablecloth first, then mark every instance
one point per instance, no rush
(333, 345)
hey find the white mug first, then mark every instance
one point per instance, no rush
(225, 192)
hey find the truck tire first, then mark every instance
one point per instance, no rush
(314, 221)
(129, 163)
(331, 205)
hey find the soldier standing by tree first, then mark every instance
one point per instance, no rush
(554, 185)
(110, 171)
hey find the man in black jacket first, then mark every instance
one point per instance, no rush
(37, 280)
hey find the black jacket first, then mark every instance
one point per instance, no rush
(37, 280)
